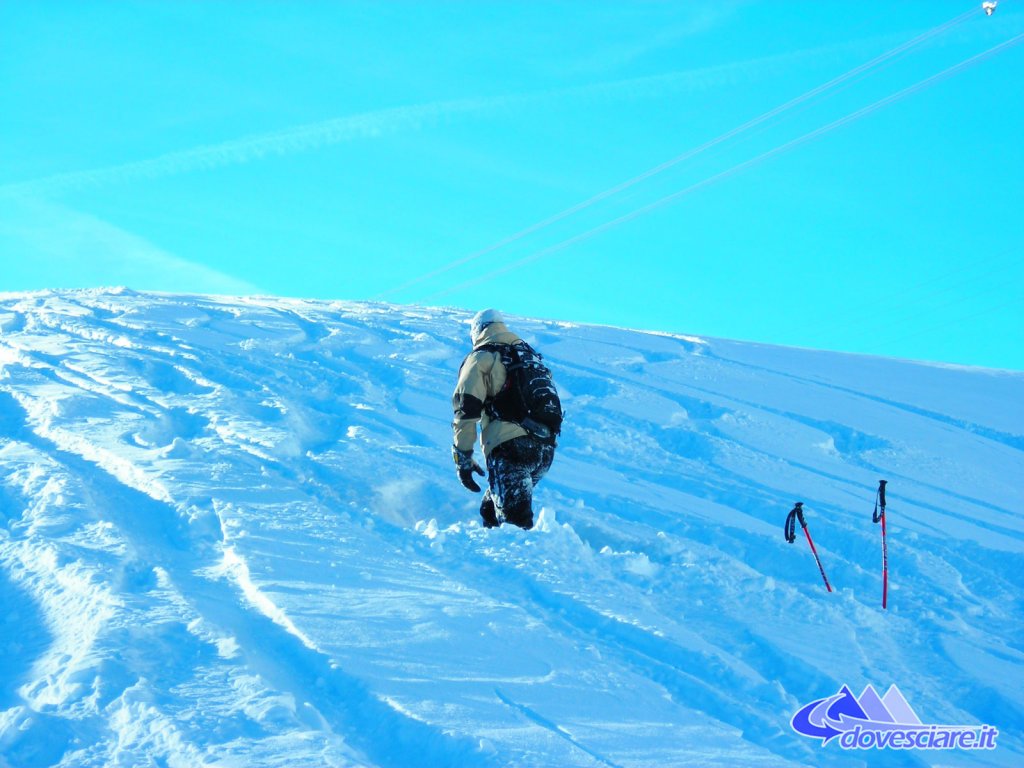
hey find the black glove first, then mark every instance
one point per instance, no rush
(466, 467)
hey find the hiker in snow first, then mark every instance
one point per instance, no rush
(504, 386)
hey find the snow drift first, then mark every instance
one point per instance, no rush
(231, 535)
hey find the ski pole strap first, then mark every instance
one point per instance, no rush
(879, 501)
(797, 513)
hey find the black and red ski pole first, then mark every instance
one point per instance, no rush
(879, 517)
(797, 513)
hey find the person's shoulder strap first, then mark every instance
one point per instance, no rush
(491, 346)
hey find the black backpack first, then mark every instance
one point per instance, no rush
(529, 397)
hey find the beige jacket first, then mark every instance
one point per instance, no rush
(481, 377)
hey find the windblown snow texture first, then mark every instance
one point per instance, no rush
(231, 534)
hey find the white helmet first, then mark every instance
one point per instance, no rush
(481, 320)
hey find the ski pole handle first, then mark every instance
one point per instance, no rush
(879, 500)
(790, 527)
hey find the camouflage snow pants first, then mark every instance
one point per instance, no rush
(513, 469)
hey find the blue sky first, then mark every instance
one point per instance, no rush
(366, 151)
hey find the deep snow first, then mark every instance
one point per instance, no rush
(231, 534)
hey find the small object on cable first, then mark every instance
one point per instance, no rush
(989, 6)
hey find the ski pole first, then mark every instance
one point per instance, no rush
(880, 517)
(797, 513)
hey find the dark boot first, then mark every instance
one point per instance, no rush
(487, 512)
(521, 515)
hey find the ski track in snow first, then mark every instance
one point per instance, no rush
(230, 534)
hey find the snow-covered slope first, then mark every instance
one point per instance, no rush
(231, 534)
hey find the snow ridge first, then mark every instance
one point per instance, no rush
(230, 534)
